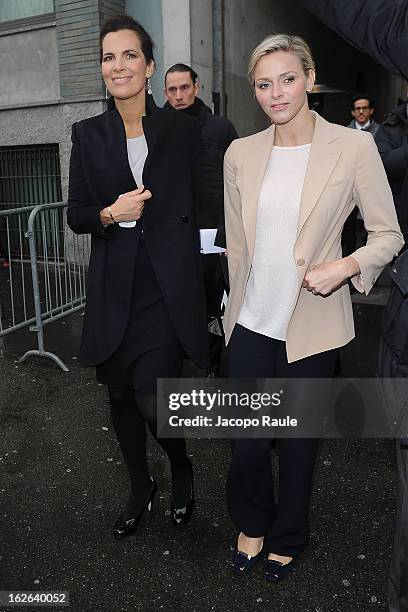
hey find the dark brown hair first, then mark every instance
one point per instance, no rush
(364, 95)
(182, 68)
(125, 22)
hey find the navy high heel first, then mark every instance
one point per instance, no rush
(277, 571)
(242, 562)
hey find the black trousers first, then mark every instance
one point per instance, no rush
(214, 283)
(150, 348)
(250, 490)
(214, 289)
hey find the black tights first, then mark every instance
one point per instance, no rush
(130, 410)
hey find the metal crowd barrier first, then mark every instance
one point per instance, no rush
(43, 271)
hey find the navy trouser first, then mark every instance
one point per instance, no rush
(250, 491)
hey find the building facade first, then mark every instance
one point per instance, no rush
(50, 72)
(52, 78)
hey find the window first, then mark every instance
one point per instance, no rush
(29, 175)
(10, 10)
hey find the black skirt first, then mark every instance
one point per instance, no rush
(150, 348)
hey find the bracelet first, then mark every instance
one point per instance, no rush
(111, 216)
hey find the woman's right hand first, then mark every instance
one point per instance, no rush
(128, 207)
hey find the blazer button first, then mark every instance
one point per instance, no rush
(185, 219)
(300, 262)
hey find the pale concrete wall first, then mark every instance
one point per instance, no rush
(176, 32)
(149, 14)
(29, 67)
(182, 32)
(202, 45)
(46, 124)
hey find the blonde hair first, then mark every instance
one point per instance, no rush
(282, 42)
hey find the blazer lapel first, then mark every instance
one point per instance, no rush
(153, 126)
(255, 166)
(324, 155)
(116, 152)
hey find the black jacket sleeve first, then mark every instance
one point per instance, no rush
(208, 184)
(232, 134)
(82, 215)
(378, 27)
(395, 158)
(220, 239)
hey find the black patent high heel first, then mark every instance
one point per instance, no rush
(122, 527)
(181, 516)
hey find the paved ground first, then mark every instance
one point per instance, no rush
(63, 483)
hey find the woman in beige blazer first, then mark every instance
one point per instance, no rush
(288, 192)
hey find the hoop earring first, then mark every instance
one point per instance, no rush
(149, 86)
(106, 93)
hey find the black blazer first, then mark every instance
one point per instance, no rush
(176, 166)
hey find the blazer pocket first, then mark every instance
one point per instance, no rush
(338, 182)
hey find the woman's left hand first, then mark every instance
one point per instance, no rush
(325, 278)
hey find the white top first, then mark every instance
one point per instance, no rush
(137, 153)
(272, 287)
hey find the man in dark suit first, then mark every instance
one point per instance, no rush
(181, 88)
(380, 28)
(362, 110)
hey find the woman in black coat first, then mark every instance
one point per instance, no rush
(133, 173)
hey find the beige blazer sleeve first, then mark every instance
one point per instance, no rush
(233, 215)
(373, 197)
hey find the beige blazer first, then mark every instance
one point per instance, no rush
(344, 170)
